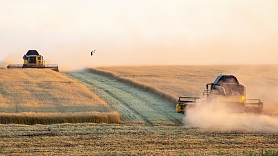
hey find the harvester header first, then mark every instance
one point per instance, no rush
(33, 59)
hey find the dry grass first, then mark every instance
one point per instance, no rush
(171, 82)
(24, 91)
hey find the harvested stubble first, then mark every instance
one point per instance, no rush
(36, 96)
(118, 139)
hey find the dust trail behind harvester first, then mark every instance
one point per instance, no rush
(260, 82)
(204, 116)
(5, 62)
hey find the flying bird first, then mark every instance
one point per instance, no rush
(92, 52)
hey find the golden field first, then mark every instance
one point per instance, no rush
(261, 81)
(30, 95)
(143, 98)
(191, 80)
(170, 82)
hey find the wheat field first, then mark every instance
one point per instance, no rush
(170, 82)
(54, 98)
(261, 81)
(43, 96)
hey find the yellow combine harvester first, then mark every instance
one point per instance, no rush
(33, 59)
(226, 92)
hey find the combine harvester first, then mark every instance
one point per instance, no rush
(224, 92)
(33, 59)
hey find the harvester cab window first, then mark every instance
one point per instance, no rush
(32, 60)
(227, 79)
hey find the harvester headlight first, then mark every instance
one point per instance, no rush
(243, 99)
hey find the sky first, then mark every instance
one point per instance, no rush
(140, 32)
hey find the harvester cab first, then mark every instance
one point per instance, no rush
(224, 91)
(32, 59)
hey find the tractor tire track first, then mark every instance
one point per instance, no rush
(132, 103)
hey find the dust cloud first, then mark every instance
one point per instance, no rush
(3, 64)
(212, 118)
(261, 82)
(16, 57)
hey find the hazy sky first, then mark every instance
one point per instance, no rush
(143, 32)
